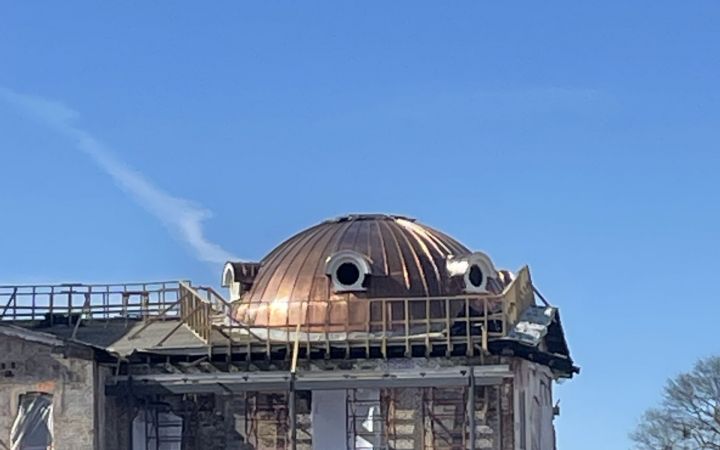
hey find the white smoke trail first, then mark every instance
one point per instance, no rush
(183, 217)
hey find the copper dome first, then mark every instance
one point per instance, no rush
(405, 259)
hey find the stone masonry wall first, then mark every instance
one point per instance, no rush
(33, 367)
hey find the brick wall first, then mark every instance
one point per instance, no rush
(27, 366)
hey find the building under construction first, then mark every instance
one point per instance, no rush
(362, 332)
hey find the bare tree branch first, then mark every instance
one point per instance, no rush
(688, 417)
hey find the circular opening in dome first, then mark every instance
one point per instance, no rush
(347, 274)
(475, 276)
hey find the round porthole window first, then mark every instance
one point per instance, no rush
(476, 276)
(347, 274)
(476, 269)
(348, 271)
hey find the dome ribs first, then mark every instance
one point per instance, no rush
(348, 241)
(407, 260)
(274, 272)
(313, 273)
(316, 285)
(378, 251)
(397, 255)
(289, 241)
(426, 258)
(453, 246)
(294, 275)
(416, 271)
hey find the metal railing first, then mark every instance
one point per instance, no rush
(469, 321)
(411, 325)
(381, 323)
(66, 303)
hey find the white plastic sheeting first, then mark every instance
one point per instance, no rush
(534, 407)
(33, 425)
(157, 431)
(346, 419)
(533, 325)
(367, 430)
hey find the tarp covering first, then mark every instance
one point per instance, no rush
(368, 419)
(533, 325)
(32, 428)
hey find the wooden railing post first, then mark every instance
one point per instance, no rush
(32, 302)
(9, 302)
(51, 310)
(70, 308)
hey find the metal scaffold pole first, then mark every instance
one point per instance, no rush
(291, 393)
(471, 408)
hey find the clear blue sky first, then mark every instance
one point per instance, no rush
(579, 138)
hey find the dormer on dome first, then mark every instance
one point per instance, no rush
(238, 277)
(348, 270)
(476, 269)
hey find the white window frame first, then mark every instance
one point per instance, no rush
(336, 260)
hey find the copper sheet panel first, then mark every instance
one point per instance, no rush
(408, 260)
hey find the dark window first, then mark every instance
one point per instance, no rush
(348, 274)
(475, 276)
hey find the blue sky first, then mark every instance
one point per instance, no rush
(144, 140)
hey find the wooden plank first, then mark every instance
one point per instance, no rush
(177, 327)
(12, 299)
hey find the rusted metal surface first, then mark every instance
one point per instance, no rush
(407, 259)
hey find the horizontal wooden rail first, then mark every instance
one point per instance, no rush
(65, 303)
(468, 321)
